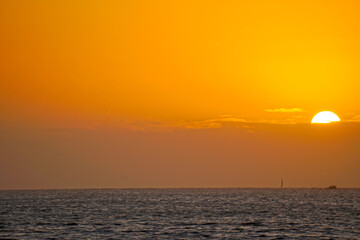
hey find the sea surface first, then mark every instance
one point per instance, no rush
(180, 214)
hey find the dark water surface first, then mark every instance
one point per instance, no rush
(181, 214)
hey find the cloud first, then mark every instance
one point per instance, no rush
(219, 122)
(214, 122)
(355, 118)
(285, 110)
(226, 119)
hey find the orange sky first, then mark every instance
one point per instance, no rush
(178, 93)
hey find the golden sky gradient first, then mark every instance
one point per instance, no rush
(178, 93)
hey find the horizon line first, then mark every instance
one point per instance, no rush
(160, 188)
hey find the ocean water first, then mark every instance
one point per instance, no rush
(180, 214)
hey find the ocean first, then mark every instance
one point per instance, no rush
(233, 213)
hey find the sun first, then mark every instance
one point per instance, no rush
(325, 117)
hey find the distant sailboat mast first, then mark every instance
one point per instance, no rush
(282, 183)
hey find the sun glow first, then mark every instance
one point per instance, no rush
(325, 117)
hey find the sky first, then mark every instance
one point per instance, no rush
(127, 94)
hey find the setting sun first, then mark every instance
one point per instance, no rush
(325, 117)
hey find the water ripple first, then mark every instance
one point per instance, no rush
(181, 214)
